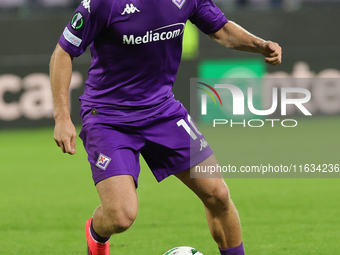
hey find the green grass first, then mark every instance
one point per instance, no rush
(47, 196)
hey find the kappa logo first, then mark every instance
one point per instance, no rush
(179, 3)
(204, 144)
(130, 9)
(103, 161)
(86, 4)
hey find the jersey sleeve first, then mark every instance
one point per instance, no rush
(208, 17)
(89, 19)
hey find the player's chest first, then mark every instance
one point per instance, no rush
(140, 16)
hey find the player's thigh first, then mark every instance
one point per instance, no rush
(208, 188)
(113, 150)
(173, 142)
(118, 196)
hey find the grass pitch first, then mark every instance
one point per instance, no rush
(47, 196)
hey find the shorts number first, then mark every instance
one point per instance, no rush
(182, 123)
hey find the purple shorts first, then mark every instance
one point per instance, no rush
(169, 142)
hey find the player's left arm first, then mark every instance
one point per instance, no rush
(235, 37)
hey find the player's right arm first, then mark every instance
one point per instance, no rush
(60, 75)
(89, 19)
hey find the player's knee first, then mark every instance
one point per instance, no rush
(218, 198)
(121, 221)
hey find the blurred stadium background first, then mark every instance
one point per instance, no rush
(45, 196)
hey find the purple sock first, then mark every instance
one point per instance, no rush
(97, 237)
(239, 250)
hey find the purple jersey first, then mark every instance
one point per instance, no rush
(136, 48)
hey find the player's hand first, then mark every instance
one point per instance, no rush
(65, 136)
(272, 51)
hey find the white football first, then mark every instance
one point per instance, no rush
(183, 250)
